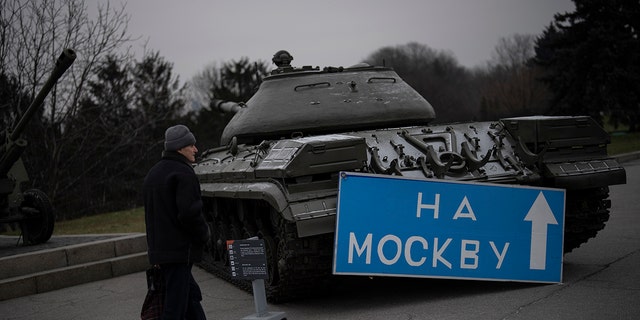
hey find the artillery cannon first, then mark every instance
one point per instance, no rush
(276, 177)
(31, 209)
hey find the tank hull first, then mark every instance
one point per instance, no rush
(285, 191)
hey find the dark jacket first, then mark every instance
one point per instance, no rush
(176, 229)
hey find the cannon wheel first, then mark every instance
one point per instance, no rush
(38, 226)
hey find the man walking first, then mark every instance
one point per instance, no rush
(175, 225)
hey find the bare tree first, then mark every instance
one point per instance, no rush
(32, 35)
(436, 75)
(510, 83)
(513, 52)
(34, 32)
(199, 87)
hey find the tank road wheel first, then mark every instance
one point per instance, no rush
(302, 265)
(216, 252)
(247, 219)
(38, 227)
(272, 258)
(220, 244)
(212, 249)
(209, 248)
(284, 289)
(587, 211)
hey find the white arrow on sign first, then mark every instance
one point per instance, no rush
(540, 216)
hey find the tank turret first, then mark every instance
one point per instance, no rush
(30, 209)
(276, 177)
(309, 101)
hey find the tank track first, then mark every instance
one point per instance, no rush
(301, 267)
(298, 267)
(586, 213)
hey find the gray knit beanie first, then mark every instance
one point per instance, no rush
(178, 137)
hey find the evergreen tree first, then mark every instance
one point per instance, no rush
(591, 59)
(236, 81)
(101, 133)
(118, 130)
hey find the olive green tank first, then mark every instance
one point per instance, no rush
(276, 176)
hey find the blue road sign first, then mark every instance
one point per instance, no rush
(394, 226)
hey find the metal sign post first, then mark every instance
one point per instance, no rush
(248, 260)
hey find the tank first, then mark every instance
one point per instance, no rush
(276, 174)
(30, 210)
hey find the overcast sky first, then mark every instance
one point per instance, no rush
(192, 34)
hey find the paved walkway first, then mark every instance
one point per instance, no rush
(121, 298)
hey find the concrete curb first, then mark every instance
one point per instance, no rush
(52, 269)
(626, 157)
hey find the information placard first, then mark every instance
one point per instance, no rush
(247, 259)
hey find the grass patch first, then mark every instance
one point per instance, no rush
(623, 142)
(126, 221)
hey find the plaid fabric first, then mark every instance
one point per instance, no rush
(152, 306)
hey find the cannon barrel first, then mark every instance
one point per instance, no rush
(62, 64)
(224, 106)
(12, 150)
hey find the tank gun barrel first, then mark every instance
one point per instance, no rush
(224, 106)
(62, 64)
